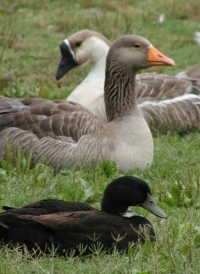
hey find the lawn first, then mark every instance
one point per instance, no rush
(30, 34)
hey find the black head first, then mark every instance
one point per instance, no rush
(129, 191)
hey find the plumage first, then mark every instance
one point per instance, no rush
(72, 227)
(65, 134)
(193, 71)
(173, 115)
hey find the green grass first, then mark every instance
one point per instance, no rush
(30, 34)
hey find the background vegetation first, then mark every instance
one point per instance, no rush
(30, 34)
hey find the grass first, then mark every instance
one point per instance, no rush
(30, 33)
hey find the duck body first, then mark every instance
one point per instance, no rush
(65, 134)
(151, 87)
(73, 233)
(76, 228)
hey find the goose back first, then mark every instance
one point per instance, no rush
(190, 72)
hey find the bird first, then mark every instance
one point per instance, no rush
(78, 228)
(65, 134)
(168, 103)
(193, 71)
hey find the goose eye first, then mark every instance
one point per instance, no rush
(78, 44)
(137, 46)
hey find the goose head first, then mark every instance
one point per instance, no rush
(128, 191)
(80, 49)
(127, 55)
(134, 52)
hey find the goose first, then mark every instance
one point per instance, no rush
(77, 228)
(65, 134)
(193, 71)
(153, 89)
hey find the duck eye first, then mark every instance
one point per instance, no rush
(78, 44)
(137, 46)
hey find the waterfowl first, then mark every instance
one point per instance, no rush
(197, 37)
(65, 134)
(193, 71)
(179, 113)
(77, 228)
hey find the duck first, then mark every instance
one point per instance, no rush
(74, 228)
(65, 134)
(180, 112)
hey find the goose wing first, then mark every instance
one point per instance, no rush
(157, 87)
(58, 133)
(48, 118)
(179, 114)
(193, 71)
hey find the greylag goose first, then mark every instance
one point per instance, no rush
(64, 134)
(65, 226)
(193, 72)
(181, 110)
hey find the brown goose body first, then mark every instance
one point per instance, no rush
(193, 72)
(76, 228)
(65, 134)
(88, 46)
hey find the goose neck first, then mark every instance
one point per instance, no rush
(119, 92)
(98, 68)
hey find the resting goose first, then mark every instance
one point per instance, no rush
(181, 110)
(193, 72)
(82, 138)
(69, 225)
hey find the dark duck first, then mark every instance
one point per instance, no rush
(77, 228)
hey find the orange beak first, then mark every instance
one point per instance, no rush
(156, 58)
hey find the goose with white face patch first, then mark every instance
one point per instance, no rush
(90, 47)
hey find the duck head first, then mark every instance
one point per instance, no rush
(128, 191)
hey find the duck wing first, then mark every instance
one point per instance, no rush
(18, 231)
(95, 229)
(48, 206)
